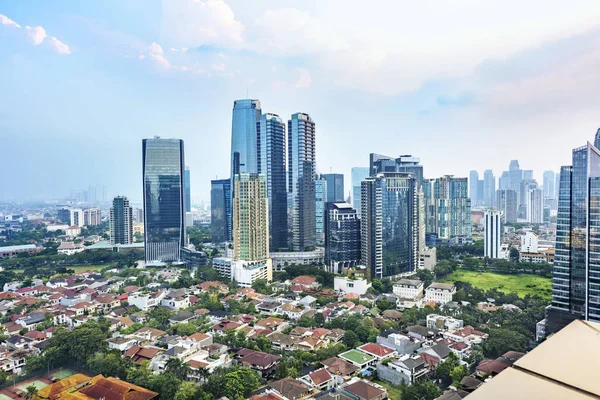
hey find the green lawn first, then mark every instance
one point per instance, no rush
(394, 391)
(522, 284)
(357, 356)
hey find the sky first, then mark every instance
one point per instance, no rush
(464, 84)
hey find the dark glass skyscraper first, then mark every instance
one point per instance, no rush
(576, 275)
(342, 237)
(301, 182)
(121, 221)
(164, 203)
(270, 131)
(335, 188)
(220, 211)
(389, 224)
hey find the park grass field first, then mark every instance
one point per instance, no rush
(522, 284)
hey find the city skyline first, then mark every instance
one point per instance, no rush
(105, 62)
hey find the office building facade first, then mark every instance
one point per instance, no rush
(221, 221)
(492, 226)
(271, 143)
(187, 190)
(357, 175)
(389, 224)
(507, 204)
(549, 182)
(77, 217)
(301, 182)
(121, 221)
(576, 274)
(473, 187)
(92, 217)
(406, 163)
(489, 188)
(321, 186)
(164, 202)
(335, 188)
(535, 206)
(342, 237)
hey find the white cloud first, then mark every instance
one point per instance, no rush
(304, 80)
(38, 35)
(156, 54)
(218, 67)
(4, 20)
(194, 23)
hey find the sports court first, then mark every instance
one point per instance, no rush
(38, 384)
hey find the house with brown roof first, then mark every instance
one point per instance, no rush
(306, 282)
(494, 367)
(80, 386)
(272, 323)
(140, 354)
(224, 326)
(363, 390)
(263, 363)
(320, 379)
(468, 335)
(291, 388)
(213, 285)
(148, 334)
(339, 367)
(280, 341)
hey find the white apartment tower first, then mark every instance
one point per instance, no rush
(493, 235)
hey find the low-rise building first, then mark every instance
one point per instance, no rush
(345, 285)
(442, 322)
(440, 293)
(408, 289)
(69, 248)
(282, 259)
(13, 251)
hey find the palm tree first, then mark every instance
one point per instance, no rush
(30, 392)
(177, 368)
(203, 373)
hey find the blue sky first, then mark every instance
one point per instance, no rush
(468, 84)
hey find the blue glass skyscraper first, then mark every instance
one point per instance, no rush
(576, 274)
(389, 224)
(244, 146)
(335, 188)
(270, 131)
(188, 194)
(357, 176)
(164, 203)
(221, 219)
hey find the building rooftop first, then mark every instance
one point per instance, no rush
(356, 356)
(562, 367)
(443, 286)
(18, 247)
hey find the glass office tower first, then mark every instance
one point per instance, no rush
(335, 188)
(447, 209)
(164, 204)
(301, 182)
(246, 113)
(389, 224)
(321, 187)
(489, 188)
(270, 131)
(406, 163)
(576, 274)
(188, 193)
(342, 237)
(358, 174)
(220, 211)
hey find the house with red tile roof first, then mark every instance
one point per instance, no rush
(376, 350)
(308, 282)
(320, 379)
(139, 354)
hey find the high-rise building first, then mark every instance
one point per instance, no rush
(528, 174)
(121, 221)
(139, 215)
(358, 174)
(271, 163)
(244, 141)
(92, 217)
(526, 186)
(535, 206)
(220, 211)
(250, 218)
(389, 224)
(504, 181)
(64, 215)
(321, 186)
(251, 260)
(557, 185)
(77, 217)
(489, 188)
(187, 190)
(335, 188)
(342, 237)
(448, 209)
(406, 163)
(492, 234)
(506, 203)
(480, 189)
(549, 191)
(515, 175)
(576, 274)
(473, 186)
(301, 182)
(164, 204)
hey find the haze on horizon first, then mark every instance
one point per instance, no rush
(463, 85)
